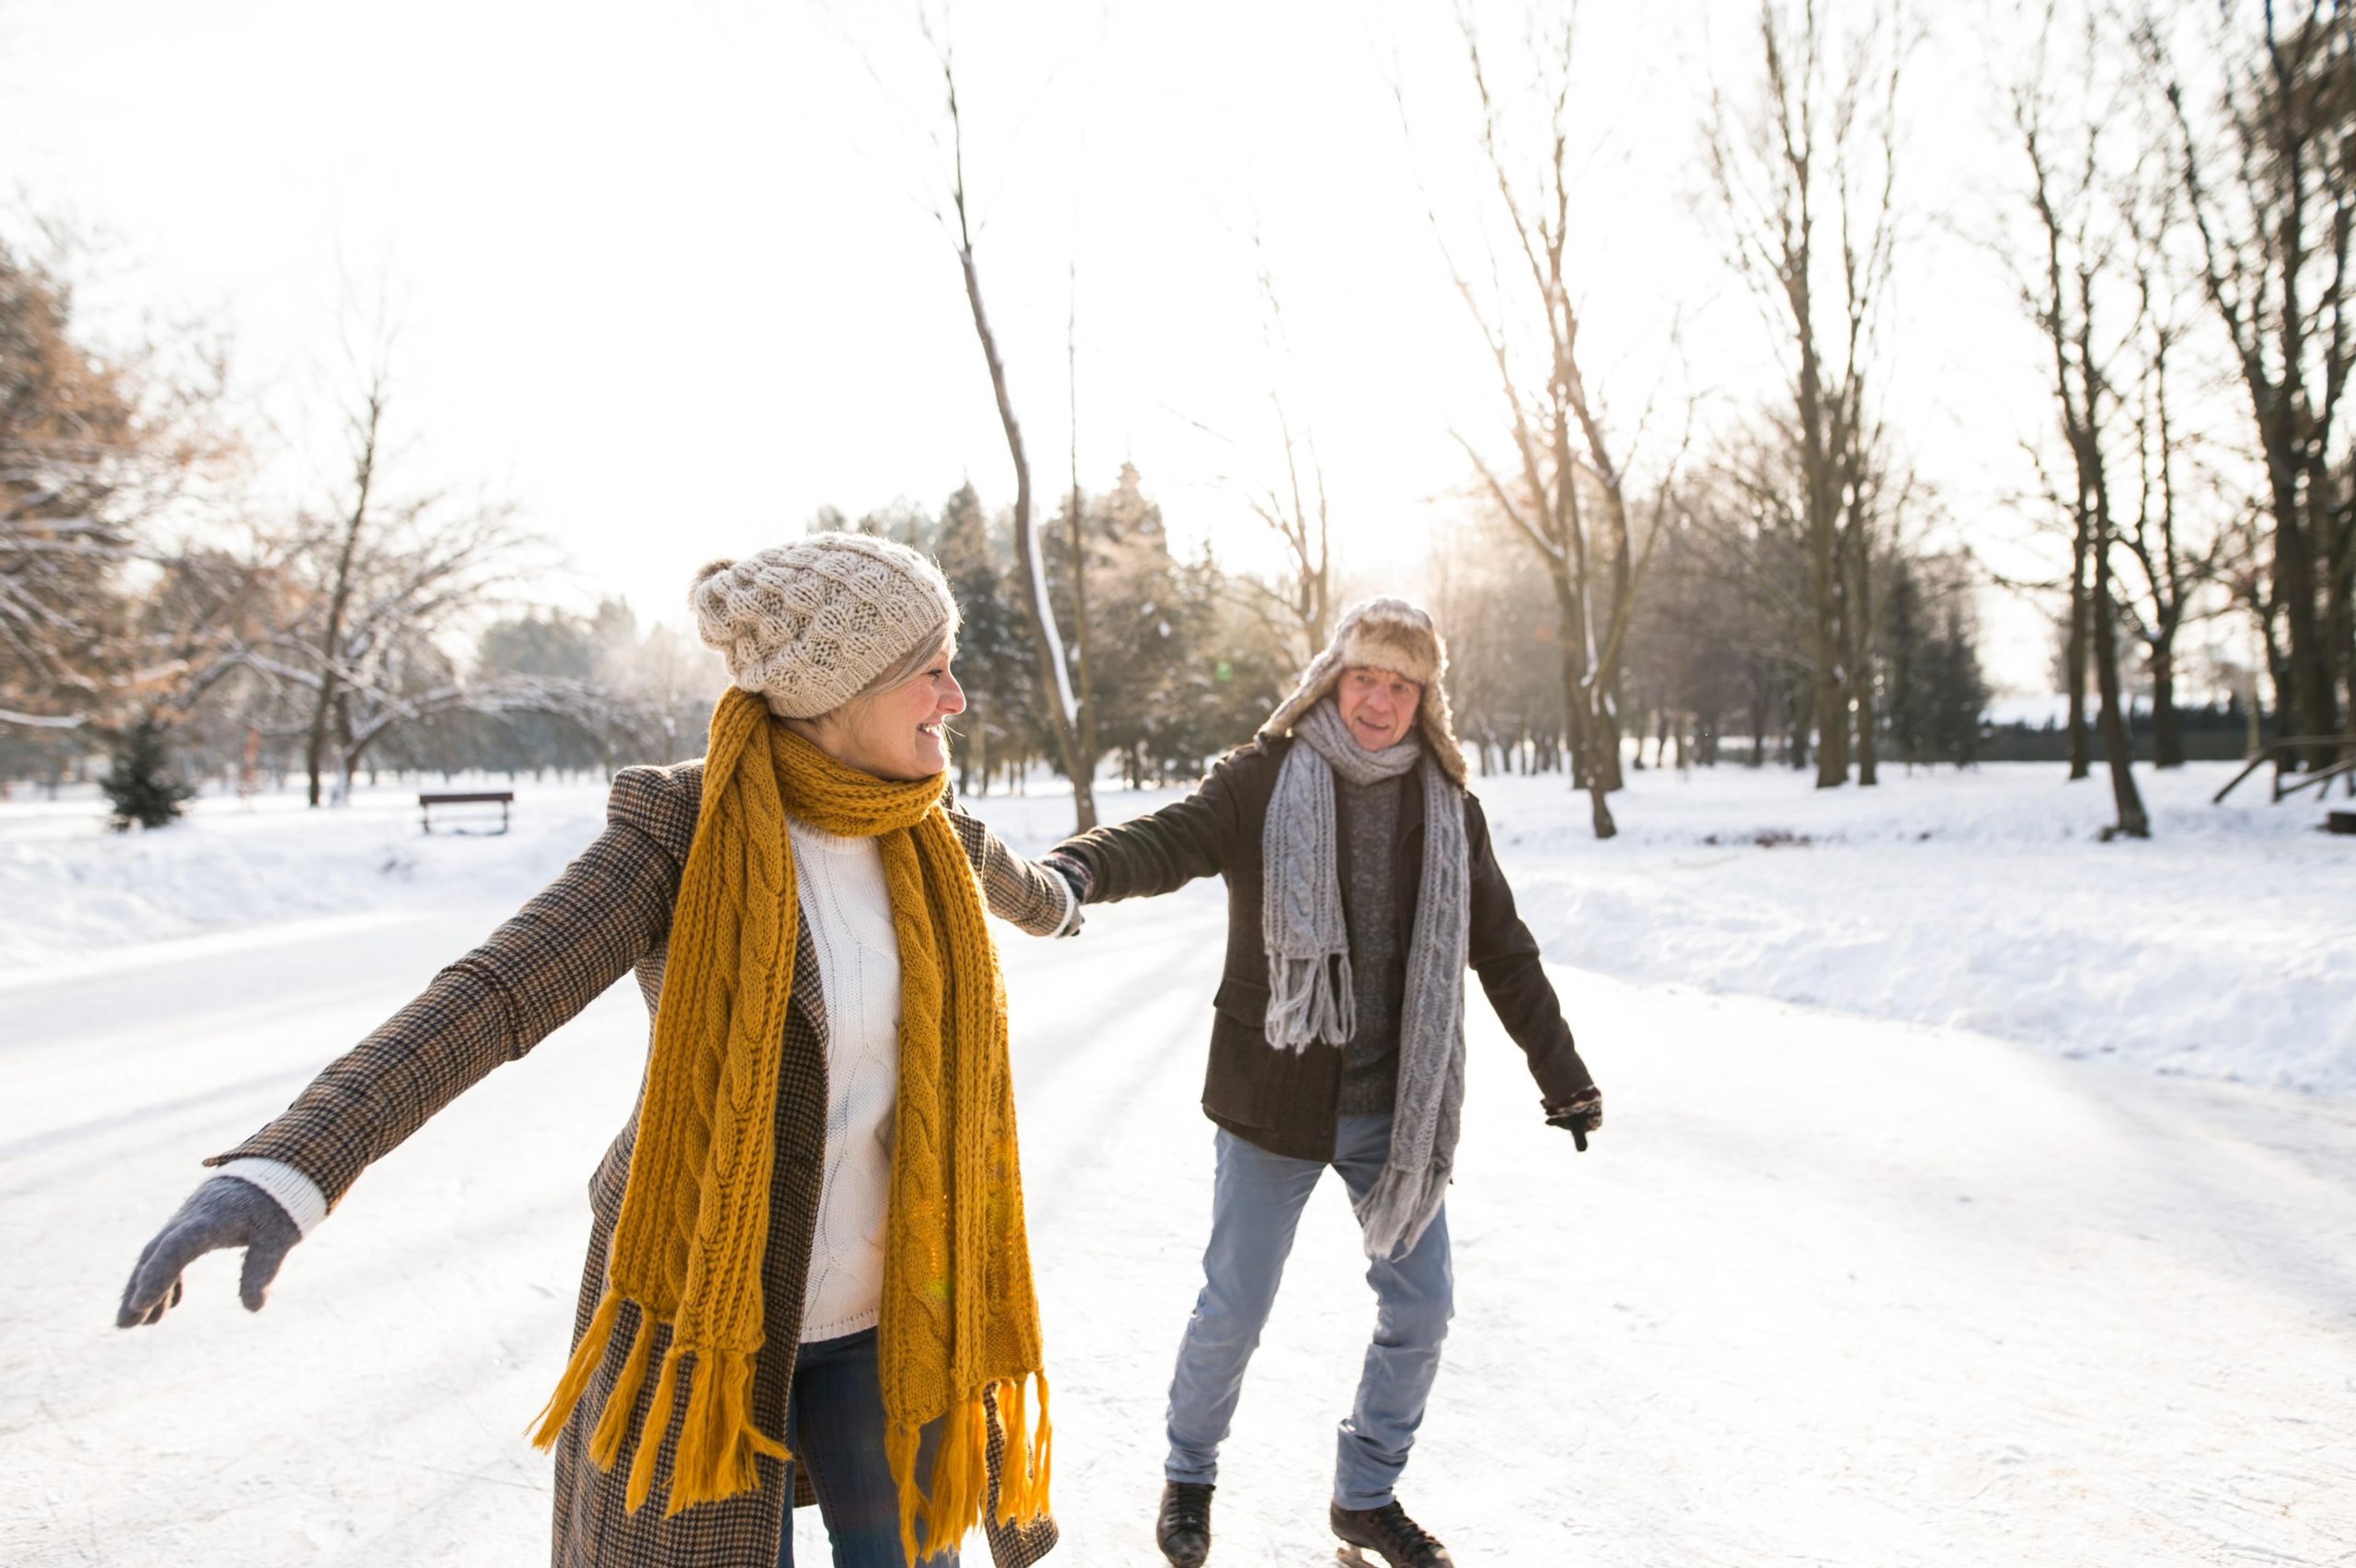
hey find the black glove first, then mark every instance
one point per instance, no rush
(223, 1212)
(1071, 871)
(1579, 1115)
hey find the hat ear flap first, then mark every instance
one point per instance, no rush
(1437, 722)
(1318, 681)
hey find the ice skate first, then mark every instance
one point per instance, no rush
(1385, 1538)
(1183, 1529)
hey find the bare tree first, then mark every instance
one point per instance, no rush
(366, 427)
(1805, 177)
(2078, 203)
(95, 450)
(1299, 518)
(1303, 522)
(1567, 492)
(1293, 505)
(1062, 704)
(1075, 534)
(364, 596)
(2175, 556)
(1748, 508)
(2266, 156)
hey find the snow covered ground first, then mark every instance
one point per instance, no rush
(1853, 1282)
(2222, 948)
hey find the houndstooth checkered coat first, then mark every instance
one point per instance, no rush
(607, 914)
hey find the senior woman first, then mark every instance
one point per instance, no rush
(807, 1277)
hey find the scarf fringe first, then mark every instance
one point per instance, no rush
(961, 1483)
(614, 1426)
(718, 1441)
(586, 1356)
(1029, 1454)
(1399, 1208)
(1310, 1000)
(642, 1464)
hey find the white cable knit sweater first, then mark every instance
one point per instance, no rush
(850, 913)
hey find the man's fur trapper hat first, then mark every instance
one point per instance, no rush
(1383, 634)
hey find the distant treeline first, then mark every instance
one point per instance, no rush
(2219, 733)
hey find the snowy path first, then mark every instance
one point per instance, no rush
(1826, 1290)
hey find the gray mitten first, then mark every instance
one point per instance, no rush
(223, 1212)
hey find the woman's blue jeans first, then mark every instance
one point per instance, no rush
(1256, 1202)
(834, 1426)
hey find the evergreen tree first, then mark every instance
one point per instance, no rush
(1936, 692)
(1958, 693)
(141, 785)
(1908, 701)
(996, 661)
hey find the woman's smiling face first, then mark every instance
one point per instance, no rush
(896, 733)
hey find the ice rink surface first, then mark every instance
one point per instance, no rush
(1828, 1288)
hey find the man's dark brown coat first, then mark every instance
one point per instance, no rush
(1283, 1101)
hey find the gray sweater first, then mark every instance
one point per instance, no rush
(1378, 972)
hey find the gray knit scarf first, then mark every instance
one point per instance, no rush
(1310, 996)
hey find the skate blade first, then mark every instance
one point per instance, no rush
(1351, 1557)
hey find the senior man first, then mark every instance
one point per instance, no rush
(1361, 882)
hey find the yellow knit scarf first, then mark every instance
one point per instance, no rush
(959, 1321)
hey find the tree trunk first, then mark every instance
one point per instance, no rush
(1087, 715)
(2117, 748)
(1860, 664)
(1586, 730)
(1087, 719)
(1053, 677)
(1831, 706)
(2082, 759)
(2311, 704)
(2277, 670)
(1608, 743)
(347, 755)
(314, 753)
(2340, 561)
(2167, 732)
(973, 757)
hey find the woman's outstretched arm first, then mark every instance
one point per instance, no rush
(555, 956)
(1017, 891)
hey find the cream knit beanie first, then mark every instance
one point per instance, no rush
(808, 625)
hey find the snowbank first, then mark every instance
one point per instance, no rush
(2222, 948)
(69, 888)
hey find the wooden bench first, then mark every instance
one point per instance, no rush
(2284, 753)
(502, 798)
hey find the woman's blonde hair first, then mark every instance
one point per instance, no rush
(938, 649)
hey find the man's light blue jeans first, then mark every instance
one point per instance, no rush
(1256, 1202)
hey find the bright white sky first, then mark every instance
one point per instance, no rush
(670, 277)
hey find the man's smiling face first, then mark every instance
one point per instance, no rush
(1377, 706)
